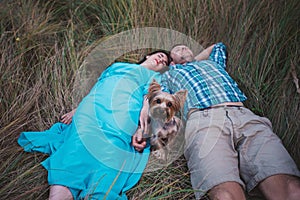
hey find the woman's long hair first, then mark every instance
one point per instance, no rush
(167, 53)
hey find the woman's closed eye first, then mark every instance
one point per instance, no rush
(162, 56)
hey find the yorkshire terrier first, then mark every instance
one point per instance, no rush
(164, 124)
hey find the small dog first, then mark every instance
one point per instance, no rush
(164, 124)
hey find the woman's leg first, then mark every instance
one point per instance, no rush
(59, 192)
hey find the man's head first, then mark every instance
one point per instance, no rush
(181, 54)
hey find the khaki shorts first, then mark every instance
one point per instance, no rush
(233, 144)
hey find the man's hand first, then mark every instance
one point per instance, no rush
(144, 116)
(138, 142)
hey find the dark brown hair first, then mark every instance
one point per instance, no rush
(167, 53)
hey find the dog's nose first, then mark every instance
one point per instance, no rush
(163, 104)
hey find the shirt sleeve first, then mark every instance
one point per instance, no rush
(169, 78)
(219, 54)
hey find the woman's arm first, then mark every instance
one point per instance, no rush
(138, 141)
(67, 118)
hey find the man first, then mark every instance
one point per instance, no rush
(229, 149)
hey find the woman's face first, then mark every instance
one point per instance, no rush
(181, 54)
(158, 62)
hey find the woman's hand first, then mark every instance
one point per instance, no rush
(138, 142)
(67, 118)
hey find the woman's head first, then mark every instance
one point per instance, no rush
(181, 54)
(157, 61)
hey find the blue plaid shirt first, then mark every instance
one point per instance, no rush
(207, 81)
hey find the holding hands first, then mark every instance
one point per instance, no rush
(138, 141)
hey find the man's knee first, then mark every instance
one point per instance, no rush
(220, 193)
(227, 191)
(293, 188)
(281, 187)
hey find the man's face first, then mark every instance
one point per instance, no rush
(181, 54)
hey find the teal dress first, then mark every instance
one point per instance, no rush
(93, 156)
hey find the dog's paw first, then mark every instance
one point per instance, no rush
(159, 154)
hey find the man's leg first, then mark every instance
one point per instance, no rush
(58, 192)
(211, 157)
(281, 187)
(227, 191)
(264, 159)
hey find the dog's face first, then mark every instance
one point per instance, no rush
(162, 109)
(162, 105)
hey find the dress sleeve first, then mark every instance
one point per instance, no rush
(219, 54)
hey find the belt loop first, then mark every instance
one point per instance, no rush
(205, 112)
(242, 109)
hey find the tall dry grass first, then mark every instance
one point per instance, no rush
(43, 44)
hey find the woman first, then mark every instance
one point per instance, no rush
(93, 156)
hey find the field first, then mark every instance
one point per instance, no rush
(44, 44)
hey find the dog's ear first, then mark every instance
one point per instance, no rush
(181, 96)
(154, 87)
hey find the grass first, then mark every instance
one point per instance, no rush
(44, 43)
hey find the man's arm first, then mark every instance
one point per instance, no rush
(204, 55)
(137, 141)
(144, 115)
